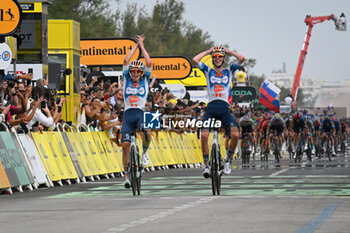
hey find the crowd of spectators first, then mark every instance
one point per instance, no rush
(26, 108)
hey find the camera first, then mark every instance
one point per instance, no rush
(58, 100)
(43, 104)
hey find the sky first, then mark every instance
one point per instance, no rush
(273, 31)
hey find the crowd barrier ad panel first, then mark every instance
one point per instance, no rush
(80, 155)
(87, 154)
(58, 143)
(110, 152)
(105, 158)
(71, 152)
(172, 147)
(46, 157)
(13, 162)
(91, 147)
(17, 148)
(51, 142)
(168, 155)
(162, 157)
(179, 148)
(119, 155)
(34, 158)
(4, 181)
(153, 154)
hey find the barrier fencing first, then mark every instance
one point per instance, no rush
(52, 158)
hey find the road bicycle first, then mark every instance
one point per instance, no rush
(276, 147)
(328, 146)
(245, 148)
(299, 150)
(215, 164)
(135, 164)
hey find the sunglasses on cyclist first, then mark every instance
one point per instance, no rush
(136, 71)
(218, 55)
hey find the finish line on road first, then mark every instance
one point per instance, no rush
(312, 185)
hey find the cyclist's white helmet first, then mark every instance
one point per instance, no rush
(218, 50)
(137, 65)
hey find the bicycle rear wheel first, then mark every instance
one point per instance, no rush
(214, 170)
(133, 169)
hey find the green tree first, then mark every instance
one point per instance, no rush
(93, 15)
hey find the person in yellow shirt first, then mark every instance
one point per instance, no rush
(241, 77)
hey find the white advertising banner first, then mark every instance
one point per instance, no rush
(34, 159)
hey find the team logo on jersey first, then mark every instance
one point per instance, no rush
(135, 91)
(223, 80)
(218, 88)
(134, 99)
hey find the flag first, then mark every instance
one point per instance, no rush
(269, 96)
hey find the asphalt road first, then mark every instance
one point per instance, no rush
(262, 197)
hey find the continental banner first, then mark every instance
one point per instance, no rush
(106, 52)
(13, 163)
(170, 67)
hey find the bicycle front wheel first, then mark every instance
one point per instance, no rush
(214, 169)
(139, 171)
(133, 169)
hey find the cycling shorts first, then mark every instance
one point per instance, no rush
(278, 129)
(219, 110)
(132, 119)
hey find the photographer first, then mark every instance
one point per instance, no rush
(42, 113)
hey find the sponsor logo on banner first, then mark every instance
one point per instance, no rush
(170, 67)
(97, 52)
(10, 17)
(5, 56)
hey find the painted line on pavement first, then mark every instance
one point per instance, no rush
(319, 219)
(279, 172)
(160, 215)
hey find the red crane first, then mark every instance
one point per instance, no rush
(340, 24)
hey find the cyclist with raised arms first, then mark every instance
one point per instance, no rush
(136, 78)
(219, 85)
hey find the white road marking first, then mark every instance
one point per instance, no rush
(162, 214)
(279, 172)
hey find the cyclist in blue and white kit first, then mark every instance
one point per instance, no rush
(136, 78)
(219, 85)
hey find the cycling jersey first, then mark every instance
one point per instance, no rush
(327, 126)
(297, 126)
(135, 93)
(218, 84)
